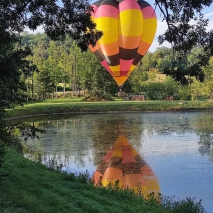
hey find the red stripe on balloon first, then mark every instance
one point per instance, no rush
(107, 11)
(127, 156)
(148, 12)
(124, 73)
(128, 4)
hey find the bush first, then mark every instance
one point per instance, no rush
(3, 151)
(98, 96)
(188, 205)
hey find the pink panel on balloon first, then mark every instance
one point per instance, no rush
(128, 4)
(104, 63)
(125, 64)
(108, 156)
(94, 10)
(148, 12)
(107, 11)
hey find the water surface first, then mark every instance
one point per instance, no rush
(177, 147)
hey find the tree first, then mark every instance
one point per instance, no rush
(171, 87)
(184, 36)
(53, 64)
(94, 77)
(208, 81)
(195, 88)
(71, 18)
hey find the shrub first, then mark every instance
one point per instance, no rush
(188, 205)
(98, 96)
(3, 151)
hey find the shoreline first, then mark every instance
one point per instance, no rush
(70, 106)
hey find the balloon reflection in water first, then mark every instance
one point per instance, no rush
(124, 167)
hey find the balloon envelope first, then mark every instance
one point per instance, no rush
(128, 28)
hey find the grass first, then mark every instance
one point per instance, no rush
(33, 188)
(70, 105)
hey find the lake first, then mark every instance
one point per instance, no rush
(176, 147)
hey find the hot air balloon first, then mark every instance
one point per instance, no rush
(128, 28)
(124, 167)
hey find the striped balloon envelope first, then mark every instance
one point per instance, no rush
(125, 168)
(128, 27)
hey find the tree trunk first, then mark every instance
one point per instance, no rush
(64, 89)
(27, 91)
(56, 91)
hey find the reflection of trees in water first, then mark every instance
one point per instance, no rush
(107, 128)
(91, 136)
(206, 145)
(64, 142)
(164, 123)
(83, 135)
(202, 122)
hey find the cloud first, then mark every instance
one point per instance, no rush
(208, 14)
(38, 30)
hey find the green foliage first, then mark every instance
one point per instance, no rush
(98, 96)
(208, 81)
(188, 205)
(13, 66)
(195, 89)
(184, 93)
(154, 90)
(3, 151)
(184, 36)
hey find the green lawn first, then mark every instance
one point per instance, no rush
(33, 188)
(75, 105)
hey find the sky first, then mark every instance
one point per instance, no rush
(161, 26)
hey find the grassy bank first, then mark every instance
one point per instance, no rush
(70, 105)
(33, 188)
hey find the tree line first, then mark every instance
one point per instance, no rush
(62, 69)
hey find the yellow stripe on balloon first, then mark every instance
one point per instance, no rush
(131, 23)
(117, 153)
(116, 73)
(148, 36)
(134, 152)
(107, 23)
(130, 70)
(150, 24)
(109, 27)
(115, 68)
(149, 30)
(109, 37)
